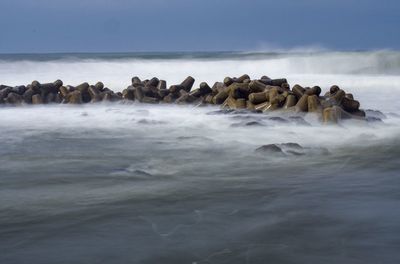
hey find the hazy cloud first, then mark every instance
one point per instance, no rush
(131, 25)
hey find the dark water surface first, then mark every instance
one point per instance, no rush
(130, 184)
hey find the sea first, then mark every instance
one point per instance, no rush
(135, 183)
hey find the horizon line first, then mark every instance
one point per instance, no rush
(294, 50)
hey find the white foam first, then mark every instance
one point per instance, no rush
(169, 123)
(363, 74)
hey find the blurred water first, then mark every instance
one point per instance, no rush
(116, 183)
(139, 184)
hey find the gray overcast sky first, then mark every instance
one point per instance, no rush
(194, 25)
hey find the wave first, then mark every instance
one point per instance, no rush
(372, 76)
(381, 61)
(177, 122)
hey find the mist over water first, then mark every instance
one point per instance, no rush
(134, 183)
(354, 71)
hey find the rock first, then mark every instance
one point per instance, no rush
(63, 91)
(285, 86)
(46, 88)
(298, 91)
(242, 78)
(316, 90)
(290, 101)
(250, 106)
(175, 89)
(2, 86)
(50, 98)
(228, 81)
(332, 115)
(27, 96)
(58, 83)
(217, 87)
(162, 85)
(94, 93)
(298, 120)
(264, 77)
(275, 99)
(334, 89)
(314, 104)
(241, 103)
(150, 100)
(36, 86)
(295, 153)
(170, 98)
(270, 148)
(273, 82)
(183, 92)
(205, 89)
(257, 86)
(239, 90)
(221, 112)
(258, 98)
(358, 114)
(187, 84)
(375, 113)
(371, 119)
(84, 92)
(4, 93)
(107, 97)
(249, 123)
(136, 81)
(153, 82)
(209, 99)
(338, 96)
(278, 119)
(185, 98)
(37, 99)
(262, 106)
(129, 93)
(13, 98)
(162, 93)
(292, 145)
(19, 89)
(220, 97)
(350, 105)
(229, 103)
(138, 93)
(74, 97)
(57, 98)
(99, 86)
(195, 93)
(302, 104)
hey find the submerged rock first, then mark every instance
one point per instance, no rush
(249, 123)
(220, 112)
(292, 148)
(375, 114)
(298, 120)
(150, 122)
(278, 119)
(270, 148)
(292, 145)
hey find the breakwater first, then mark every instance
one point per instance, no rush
(258, 95)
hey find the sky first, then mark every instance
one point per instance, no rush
(42, 26)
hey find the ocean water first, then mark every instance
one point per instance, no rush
(134, 183)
